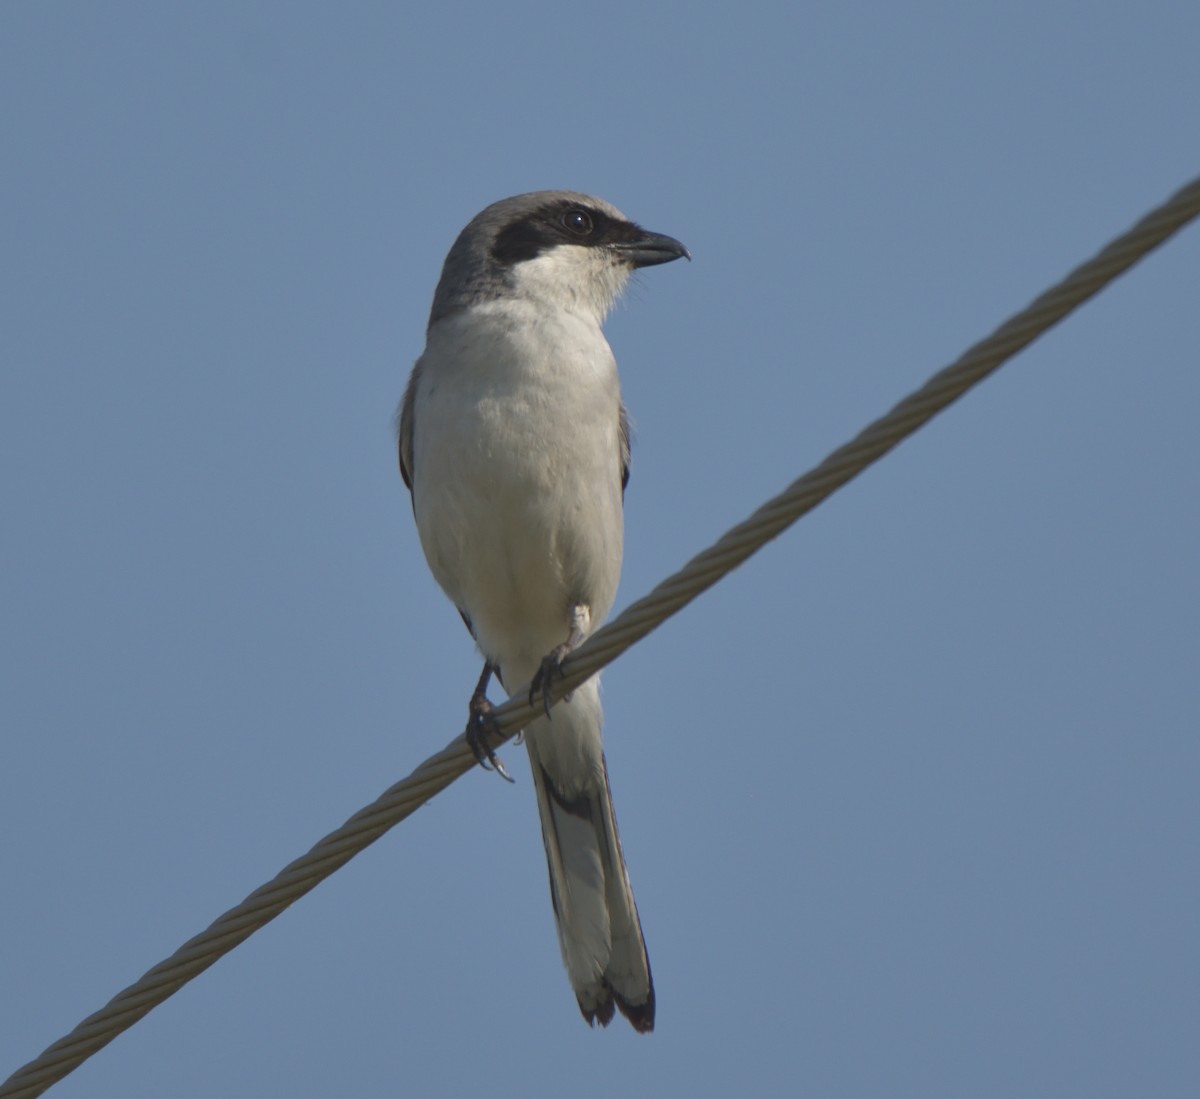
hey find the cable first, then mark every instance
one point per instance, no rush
(639, 619)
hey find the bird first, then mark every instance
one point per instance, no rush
(514, 444)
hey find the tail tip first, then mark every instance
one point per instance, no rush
(640, 1016)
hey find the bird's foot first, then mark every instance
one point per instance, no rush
(543, 680)
(482, 728)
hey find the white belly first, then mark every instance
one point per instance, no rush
(517, 475)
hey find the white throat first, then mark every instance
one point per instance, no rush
(580, 280)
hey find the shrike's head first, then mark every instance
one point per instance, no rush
(557, 248)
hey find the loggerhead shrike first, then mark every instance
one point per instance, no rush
(514, 443)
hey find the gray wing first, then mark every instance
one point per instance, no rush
(626, 451)
(405, 423)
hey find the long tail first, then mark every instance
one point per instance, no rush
(598, 927)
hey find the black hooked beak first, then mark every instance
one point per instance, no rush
(649, 249)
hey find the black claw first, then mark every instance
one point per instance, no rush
(481, 726)
(543, 680)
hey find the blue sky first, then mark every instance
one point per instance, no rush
(909, 801)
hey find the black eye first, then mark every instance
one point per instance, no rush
(577, 222)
